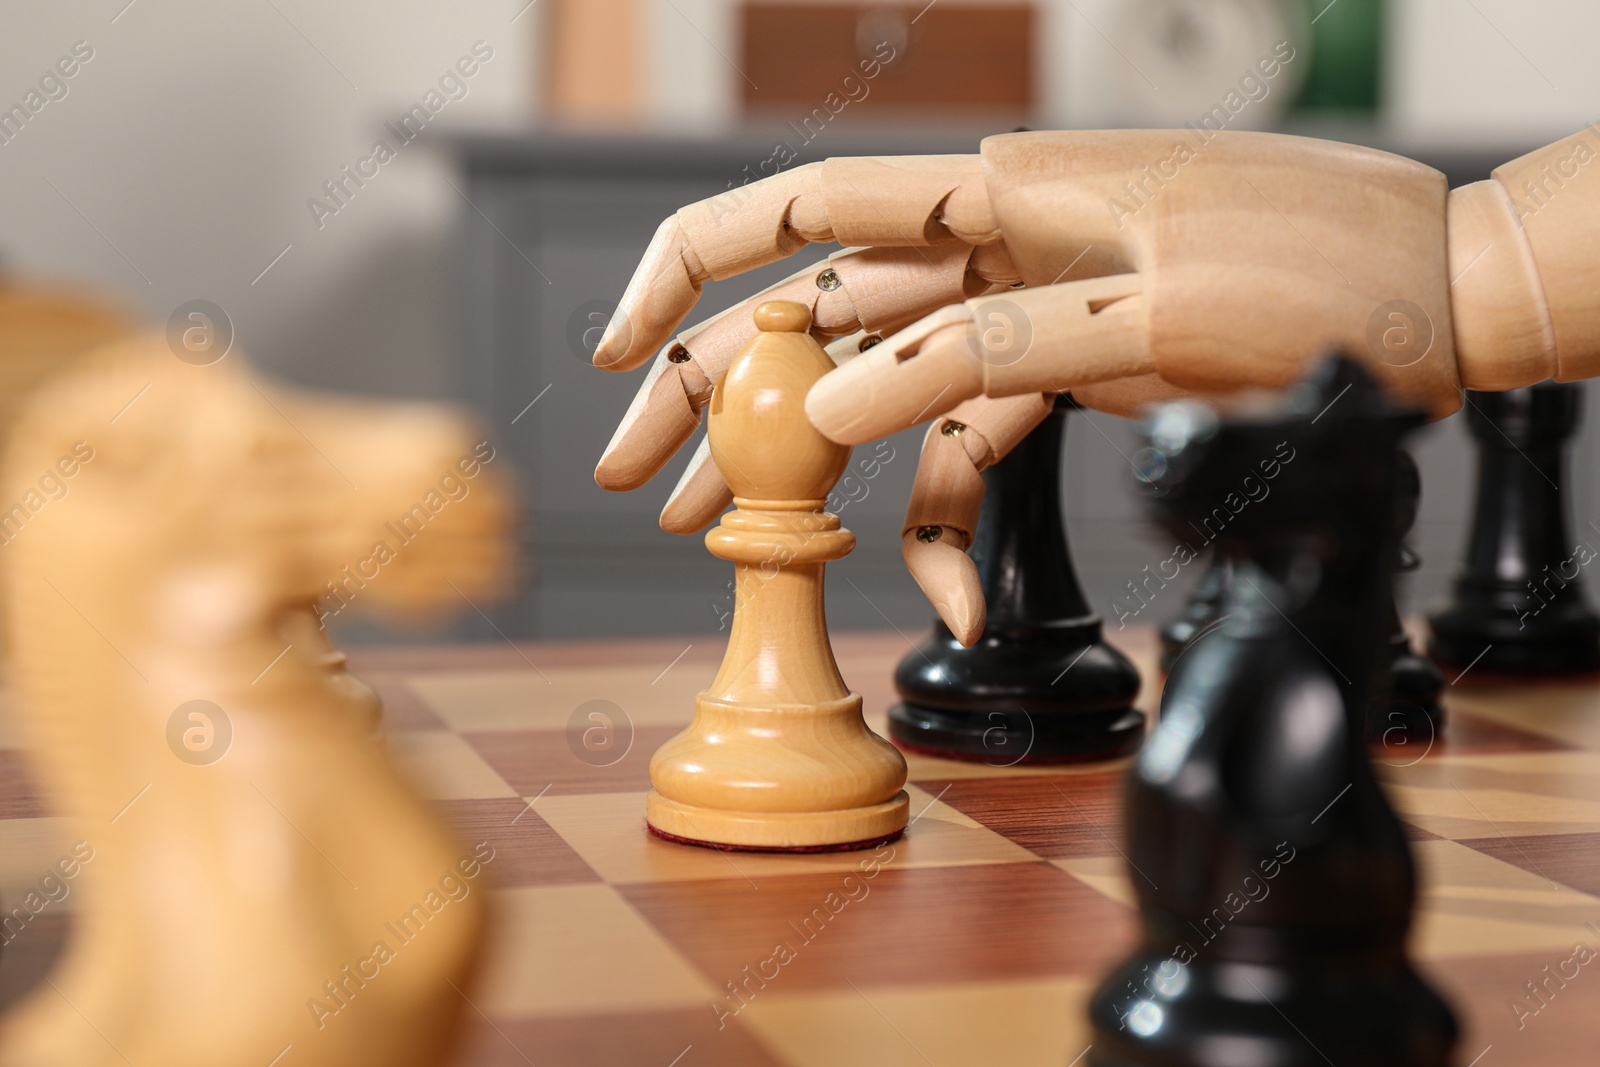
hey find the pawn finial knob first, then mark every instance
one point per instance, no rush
(782, 316)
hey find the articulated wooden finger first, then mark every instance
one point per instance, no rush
(1059, 337)
(663, 289)
(889, 388)
(908, 200)
(759, 223)
(1504, 338)
(844, 349)
(699, 497)
(874, 289)
(942, 516)
(1128, 397)
(1049, 339)
(940, 521)
(884, 289)
(716, 238)
(949, 579)
(659, 420)
(904, 201)
(988, 429)
(994, 263)
(948, 492)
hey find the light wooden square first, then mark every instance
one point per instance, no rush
(1019, 1024)
(444, 767)
(576, 949)
(608, 831)
(1472, 904)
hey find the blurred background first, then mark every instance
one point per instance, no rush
(425, 199)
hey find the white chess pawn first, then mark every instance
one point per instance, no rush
(778, 756)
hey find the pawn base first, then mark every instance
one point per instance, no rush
(778, 831)
(1005, 739)
(850, 846)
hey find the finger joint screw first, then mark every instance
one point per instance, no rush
(929, 534)
(678, 354)
(828, 280)
(953, 429)
(869, 341)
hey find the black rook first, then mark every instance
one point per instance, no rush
(1518, 604)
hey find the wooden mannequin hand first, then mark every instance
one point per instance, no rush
(1126, 266)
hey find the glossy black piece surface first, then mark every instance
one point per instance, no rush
(1041, 685)
(1406, 710)
(1518, 606)
(1275, 883)
(1199, 614)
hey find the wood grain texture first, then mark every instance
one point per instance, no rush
(1057, 817)
(979, 923)
(925, 969)
(778, 755)
(533, 761)
(527, 850)
(652, 1038)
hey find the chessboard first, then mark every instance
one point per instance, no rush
(973, 940)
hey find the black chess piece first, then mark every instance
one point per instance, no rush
(1040, 685)
(1518, 604)
(1275, 883)
(1407, 710)
(1199, 615)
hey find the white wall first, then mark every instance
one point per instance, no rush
(195, 136)
(1489, 71)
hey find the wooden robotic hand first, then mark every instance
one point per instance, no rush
(1124, 266)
